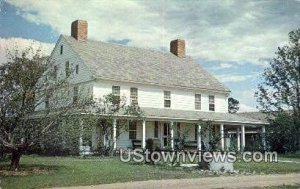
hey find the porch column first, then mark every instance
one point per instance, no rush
(243, 137)
(238, 138)
(144, 135)
(263, 130)
(199, 137)
(222, 136)
(172, 134)
(114, 133)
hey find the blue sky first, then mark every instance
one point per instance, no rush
(232, 39)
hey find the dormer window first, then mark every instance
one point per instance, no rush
(61, 49)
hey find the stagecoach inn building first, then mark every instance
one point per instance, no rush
(173, 91)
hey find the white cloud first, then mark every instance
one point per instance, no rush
(20, 44)
(246, 108)
(225, 65)
(234, 78)
(232, 31)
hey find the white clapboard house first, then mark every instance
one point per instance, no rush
(171, 88)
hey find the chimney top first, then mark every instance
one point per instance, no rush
(177, 47)
(79, 30)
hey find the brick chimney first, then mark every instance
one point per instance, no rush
(79, 30)
(177, 47)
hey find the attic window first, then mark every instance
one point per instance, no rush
(77, 69)
(61, 49)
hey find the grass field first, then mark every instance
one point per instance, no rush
(41, 172)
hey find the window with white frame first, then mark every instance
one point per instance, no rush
(167, 99)
(198, 101)
(117, 94)
(211, 100)
(132, 129)
(134, 96)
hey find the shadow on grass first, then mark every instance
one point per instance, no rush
(26, 170)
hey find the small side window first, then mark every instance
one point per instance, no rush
(77, 69)
(61, 49)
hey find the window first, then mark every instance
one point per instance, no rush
(77, 69)
(75, 95)
(116, 93)
(67, 69)
(116, 90)
(134, 96)
(167, 99)
(61, 49)
(47, 102)
(156, 129)
(55, 72)
(132, 129)
(211, 103)
(198, 101)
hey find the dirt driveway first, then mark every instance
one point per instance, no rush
(208, 182)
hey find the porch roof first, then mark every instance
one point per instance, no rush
(159, 113)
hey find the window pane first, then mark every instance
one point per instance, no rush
(67, 68)
(198, 101)
(61, 49)
(211, 107)
(75, 94)
(167, 95)
(167, 103)
(211, 99)
(132, 125)
(211, 103)
(116, 90)
(134, 96)
(77, 69)
(132, 134)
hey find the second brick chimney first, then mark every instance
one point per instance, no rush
(79, 30)
(177, 47)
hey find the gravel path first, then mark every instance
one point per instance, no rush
(208, 182)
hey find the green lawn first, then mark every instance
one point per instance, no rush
(71, 171)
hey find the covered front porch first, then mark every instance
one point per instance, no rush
(168, 126)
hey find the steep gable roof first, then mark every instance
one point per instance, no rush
(131, 64)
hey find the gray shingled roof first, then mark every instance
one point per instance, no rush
(199, 115)
(124, 63)
(256, 115)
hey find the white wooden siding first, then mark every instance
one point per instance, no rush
(153, 96)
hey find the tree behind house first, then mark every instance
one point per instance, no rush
(279, 93)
